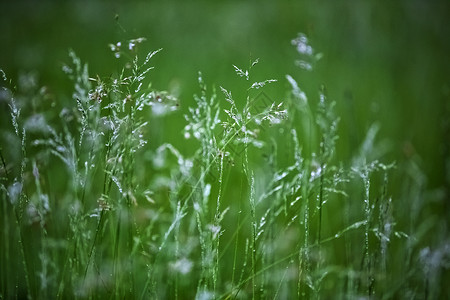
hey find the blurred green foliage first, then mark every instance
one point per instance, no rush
(382, 62)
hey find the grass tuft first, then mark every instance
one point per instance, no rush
(258, 206)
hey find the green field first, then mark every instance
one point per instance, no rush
(229, 150)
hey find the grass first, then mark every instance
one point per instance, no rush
(261, 209)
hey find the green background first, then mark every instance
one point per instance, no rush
(383, 62)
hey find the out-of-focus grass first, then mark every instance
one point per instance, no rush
(382, 62)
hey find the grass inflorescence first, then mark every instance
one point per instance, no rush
(262, 208)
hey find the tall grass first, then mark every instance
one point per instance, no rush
(93, 208)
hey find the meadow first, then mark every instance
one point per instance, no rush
(273, 151)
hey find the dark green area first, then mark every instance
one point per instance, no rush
(383, 62)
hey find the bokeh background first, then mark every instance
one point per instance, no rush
(382, 62)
